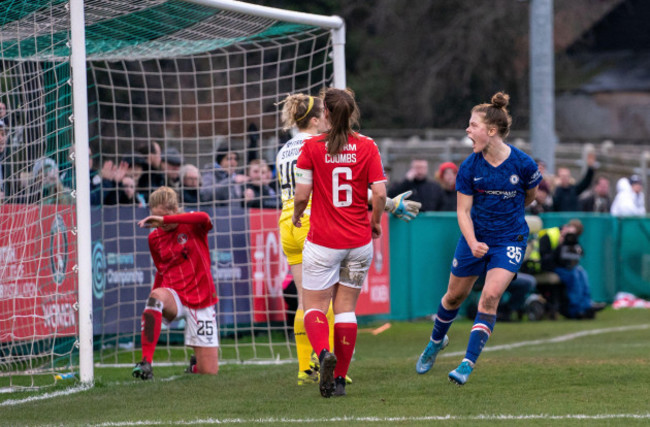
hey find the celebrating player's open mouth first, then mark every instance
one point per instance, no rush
(478, 133)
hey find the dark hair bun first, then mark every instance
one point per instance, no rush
(500, 100)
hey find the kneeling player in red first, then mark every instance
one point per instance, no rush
(183, 287)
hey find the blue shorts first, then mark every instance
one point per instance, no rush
(507, 255)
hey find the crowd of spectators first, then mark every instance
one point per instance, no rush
(128, 180)
(222, 183)
(592, 193)
(555, 193)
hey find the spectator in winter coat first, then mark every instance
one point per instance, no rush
(427, 192)
(598, 199)
(446, 177)
(565, 197)
(629, 200)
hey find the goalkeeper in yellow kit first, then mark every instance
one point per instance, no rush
(306, 113)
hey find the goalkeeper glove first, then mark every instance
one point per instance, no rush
(403, 209)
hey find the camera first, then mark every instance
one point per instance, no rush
(571, 239)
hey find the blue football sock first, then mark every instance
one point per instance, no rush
(481, 331)
(443, 321)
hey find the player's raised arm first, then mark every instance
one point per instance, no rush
(152, 221)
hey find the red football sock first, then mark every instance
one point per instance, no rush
(345, 338)
(150, 328)
(317, 330)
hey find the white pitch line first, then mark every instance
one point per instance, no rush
(66, 392)
(483, 417)
(221, 363)
(74, 390)
(561, 338)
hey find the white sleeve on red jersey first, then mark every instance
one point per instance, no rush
(304, 176)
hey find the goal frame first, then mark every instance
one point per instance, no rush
(78, 61)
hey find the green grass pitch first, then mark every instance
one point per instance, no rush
(594, 372)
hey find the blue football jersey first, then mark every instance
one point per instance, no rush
(499, 194)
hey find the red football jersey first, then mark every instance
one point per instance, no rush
(182, 259)
(339, 207)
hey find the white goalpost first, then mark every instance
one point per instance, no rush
(82, 179)
(97, 94)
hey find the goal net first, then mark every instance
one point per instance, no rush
(173, 88)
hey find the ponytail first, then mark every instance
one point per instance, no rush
(343, 115)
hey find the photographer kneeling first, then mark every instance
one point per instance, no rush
(561, 252)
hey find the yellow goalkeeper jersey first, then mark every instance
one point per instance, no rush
(286, 164)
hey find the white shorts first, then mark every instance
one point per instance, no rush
(200, 324)
(322, 267)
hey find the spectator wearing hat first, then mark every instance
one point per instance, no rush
(220, 181)
(446, 177)
(46, 187)
(425, 191)
(170, 165)
(629, 200)
(152, 176)
(597, 199)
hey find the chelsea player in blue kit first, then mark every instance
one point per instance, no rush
(494, 184)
